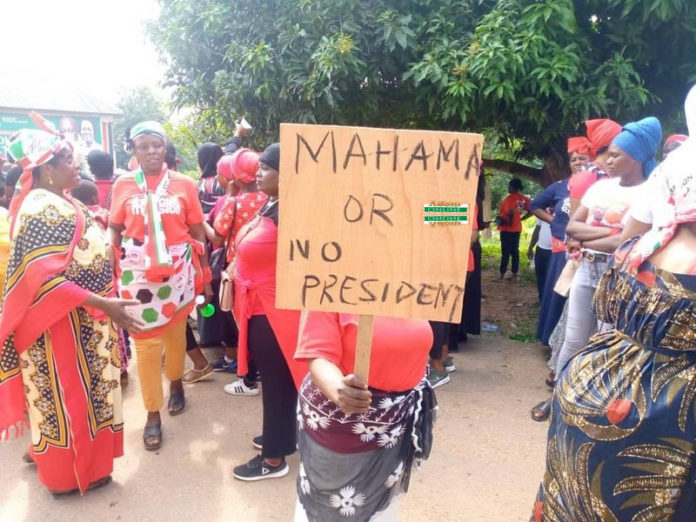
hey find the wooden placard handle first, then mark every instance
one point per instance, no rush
(363, 347)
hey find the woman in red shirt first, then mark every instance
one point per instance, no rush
(510, 225)
(269, 334)
(237, 175)
(358, 444)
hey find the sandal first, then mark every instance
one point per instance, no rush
(551, 380)
(541, 411)
(176, 404)
(152, 432)
(195, 375)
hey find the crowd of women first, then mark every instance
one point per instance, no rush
(617, 312)
(85, 279)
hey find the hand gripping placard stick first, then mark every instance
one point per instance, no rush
(363, 347)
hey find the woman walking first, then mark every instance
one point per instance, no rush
(157, 237)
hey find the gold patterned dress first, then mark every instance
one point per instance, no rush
(59, 359)
(622, 440)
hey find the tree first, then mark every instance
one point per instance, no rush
(526, 71)
(136, 105)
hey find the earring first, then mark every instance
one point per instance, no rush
(50, 180)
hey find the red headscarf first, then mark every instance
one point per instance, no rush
(600, 133)
(242, 166)
(579, 145)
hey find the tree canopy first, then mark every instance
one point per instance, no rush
(525, 71)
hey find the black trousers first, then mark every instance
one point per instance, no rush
(542, 257)
(440, 331)
(279, 395)
(220, 327)
(471, 313)
(510, 249)
(191, 342)
(470, 322)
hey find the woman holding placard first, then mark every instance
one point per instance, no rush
(269, 334)
(358, 444)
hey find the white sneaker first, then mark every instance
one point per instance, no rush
(239, 388)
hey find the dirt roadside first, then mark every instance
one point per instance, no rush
(487, 459)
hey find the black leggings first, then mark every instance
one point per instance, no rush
(440, 331)
(510, 248)
(279, 395)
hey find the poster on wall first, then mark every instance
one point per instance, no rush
(86, 133)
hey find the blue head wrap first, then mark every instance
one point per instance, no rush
(640, 140)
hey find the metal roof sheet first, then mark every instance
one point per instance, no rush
(19, 96)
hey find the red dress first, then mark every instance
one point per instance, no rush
(58, 356)
(255, 289)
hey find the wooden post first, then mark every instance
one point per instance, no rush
(363, 347)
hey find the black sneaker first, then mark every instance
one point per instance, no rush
(258, 469)
(257, 442)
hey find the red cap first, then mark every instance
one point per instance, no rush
(579, 145)
(601, 133)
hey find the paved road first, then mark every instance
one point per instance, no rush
(487, 459)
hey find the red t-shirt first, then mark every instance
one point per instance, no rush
(179, 209)
(399, 347)
(103, 191)
(579, 182)
(247, 203)
(255, 265)
(513, 206)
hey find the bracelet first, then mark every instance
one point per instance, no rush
(207, 274)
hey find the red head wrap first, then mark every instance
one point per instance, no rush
(579, 145)
(242, 165)
(600, 133)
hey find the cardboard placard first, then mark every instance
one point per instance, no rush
(375, 221)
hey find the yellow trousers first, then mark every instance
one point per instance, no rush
(149, 357)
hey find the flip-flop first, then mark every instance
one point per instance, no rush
(541, 411)
(154, 431)
(176, 404)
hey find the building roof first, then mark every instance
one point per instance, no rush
(24, 96)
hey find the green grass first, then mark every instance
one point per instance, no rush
(490, 250)
(526, 319)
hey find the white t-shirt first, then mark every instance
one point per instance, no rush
(544, 240)
(608, 203)
(642, 209)
(651, 208)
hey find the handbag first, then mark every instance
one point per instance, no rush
(565, 279)
(218, 258)
(227, 288)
